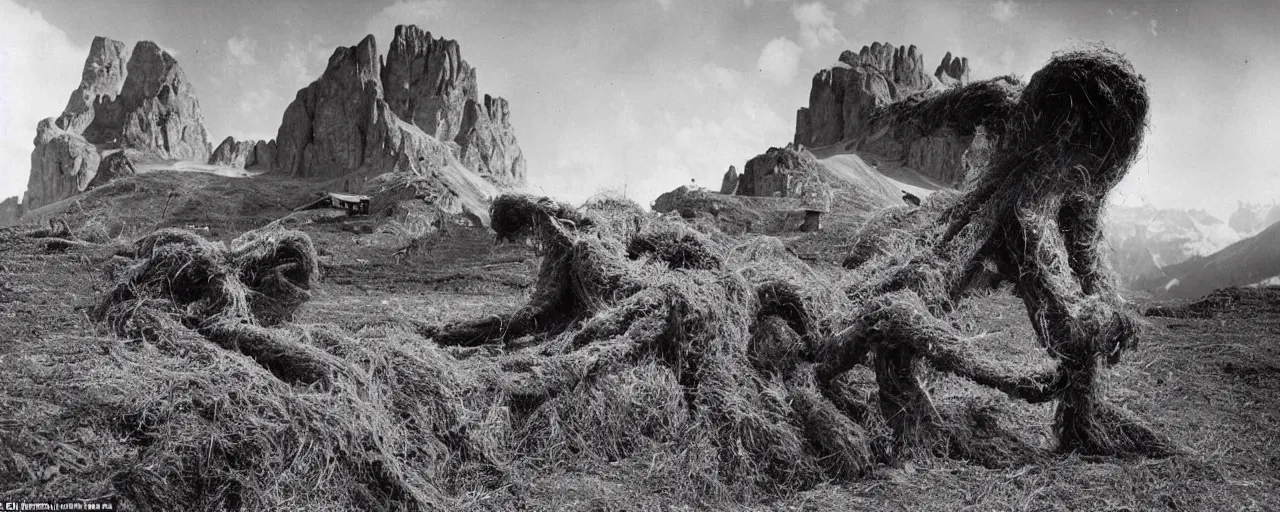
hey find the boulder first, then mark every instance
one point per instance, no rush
(100, 82)
(62, 165)
(10, 211)
(729, 184)
(113, 167)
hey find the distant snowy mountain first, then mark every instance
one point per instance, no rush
(1185, 253)
(1251, 261)
(1144, 240)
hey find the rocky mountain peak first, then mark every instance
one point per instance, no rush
(367, 114)
(427, 83)
(156, 112)
(100, 81)
(846, 100)
(953, 70)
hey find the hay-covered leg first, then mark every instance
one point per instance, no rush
(1078, 328)
(900, 332)
(843, 446)
(558, 373)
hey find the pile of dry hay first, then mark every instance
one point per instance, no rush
(727, 368)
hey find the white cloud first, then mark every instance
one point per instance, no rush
(1004, 10)
(259, 101)
(301, 64)
(1153, 28)
(414, 11)
(856, 7)
(666, 4)
(241, 48)
(726, 79)
(39, 67)
(817, 24)
(780, 60)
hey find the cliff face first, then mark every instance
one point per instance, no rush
(341, 124)
(100, 84)
(138, 100)
(156, 112)
(412, 114)
(853, 103)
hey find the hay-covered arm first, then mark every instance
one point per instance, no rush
(1070, 322)
(900, 323)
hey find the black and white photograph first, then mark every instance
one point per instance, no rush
(639, 255)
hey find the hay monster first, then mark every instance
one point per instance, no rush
(1031, 218)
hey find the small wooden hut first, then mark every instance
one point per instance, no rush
(352, 203)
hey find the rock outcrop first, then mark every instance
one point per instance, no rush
(487, 144)
(113, 167)
(427, 83)
(849, 104)
(10, 211)
(953, 71)
(729, 184)
(62, 165)
(341, 124)
(778, 172)
(137, 101)
(249, 154)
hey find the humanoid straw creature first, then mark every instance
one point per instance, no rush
(1030, 218)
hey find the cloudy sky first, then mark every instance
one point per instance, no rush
(644, 95)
